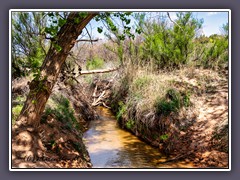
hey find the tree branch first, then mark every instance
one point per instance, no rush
(99, 71)
(174, 21)
(89, 35)
(87, 40)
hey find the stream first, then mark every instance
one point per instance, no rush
(109, 146)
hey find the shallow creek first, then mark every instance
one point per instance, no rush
(112, 147)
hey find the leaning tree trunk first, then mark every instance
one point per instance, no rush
(25, 137)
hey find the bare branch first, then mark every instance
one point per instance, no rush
(174, 21)
(89, 35)
(99, 71)
(87, 40)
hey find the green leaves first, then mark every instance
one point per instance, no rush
(111, 19)
(121, 37)
(28, 48)
(57, 47)
(61, 22)
(99, 29)
(56, 21)
(52, 30)
(77, 20)
(82, 15)
(164, 137)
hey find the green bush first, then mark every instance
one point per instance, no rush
(94, 63)
(121, 110)
(217, 54)
(169, 46)
(164, 137)
(63, 112)
(130, 124)
(172, 102)
(15, 112)
(165, 107)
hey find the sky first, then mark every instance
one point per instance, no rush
(213, 22)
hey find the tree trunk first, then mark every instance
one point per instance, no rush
(41, 87)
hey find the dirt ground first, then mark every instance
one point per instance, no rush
(198, 134)
(62, 146)
(210, 131)
(204, 140)
(201, 138)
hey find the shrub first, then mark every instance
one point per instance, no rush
(172, 102)
(63, 112)
(164, 137)
(130, 124)
(167, 47)
(217, 53)
(15, 112)
(121, 110)
(94, 63)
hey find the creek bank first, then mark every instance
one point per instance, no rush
(66, 117)
(197, 133)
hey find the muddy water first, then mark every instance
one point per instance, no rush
(111, 147)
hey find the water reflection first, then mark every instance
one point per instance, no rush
(111, 147)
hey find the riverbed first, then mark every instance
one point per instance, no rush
(109, 146)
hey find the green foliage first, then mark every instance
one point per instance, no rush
(157, 46)
(20, 98)
(172, 102)
(165, 107)
(109, 18)
(141, 82)
(57, 47)
(55, 21)
(164, 137)
(183, 36)
(15, 112)
(169, 46)
(63, 112)
(28, 47)
(186, 99)
(225, 29)
(99, 29)
(130, 124)
(120, 53)
(121, 110)
(217, 53)
(95, 63)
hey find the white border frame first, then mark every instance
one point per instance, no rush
(115, 10)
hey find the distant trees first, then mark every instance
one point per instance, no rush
(166, 45)
(216, 53)
(29, 46)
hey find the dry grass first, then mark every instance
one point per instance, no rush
(147, 87)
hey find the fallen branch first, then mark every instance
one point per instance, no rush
(106, 105)
(95, 103)
(87, 40)
(98, 71)
(102, 103)
(95, 94)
